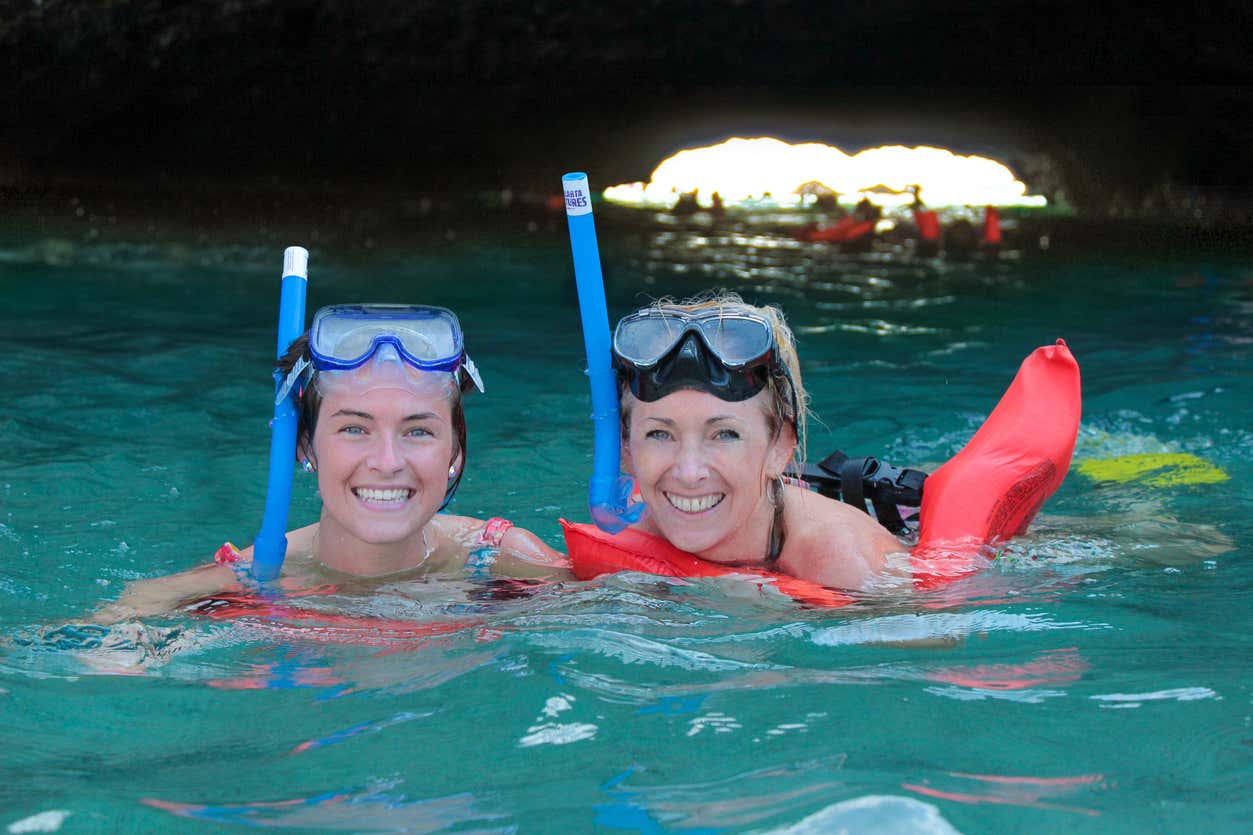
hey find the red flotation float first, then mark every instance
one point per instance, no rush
(594, 552)
(988, 492)
(847, 230)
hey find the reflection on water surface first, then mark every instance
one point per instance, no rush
(1091, 679)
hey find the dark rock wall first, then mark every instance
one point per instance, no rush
(1114, 106)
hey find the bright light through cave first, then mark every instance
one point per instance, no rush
(770, 172)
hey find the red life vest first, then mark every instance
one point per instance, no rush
(992, 226)
(928, 224)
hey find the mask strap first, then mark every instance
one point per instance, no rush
(291, 379)
(472, 370)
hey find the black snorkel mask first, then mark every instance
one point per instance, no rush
(727, 351)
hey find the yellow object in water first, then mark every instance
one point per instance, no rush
(1157, 469)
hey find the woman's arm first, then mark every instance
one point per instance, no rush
(525, 555)
(162, 595)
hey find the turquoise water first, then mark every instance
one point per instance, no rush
(1095, 679)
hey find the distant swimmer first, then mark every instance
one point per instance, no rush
(686, 204)
(866, 211)
(928, 223)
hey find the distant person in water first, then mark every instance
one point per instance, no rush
(829, 203)
(686, 204)
(713, 410)
(928, 222)
(382, 427)
(867, 211)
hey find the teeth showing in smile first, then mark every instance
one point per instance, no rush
(371, 495)
(695, 504)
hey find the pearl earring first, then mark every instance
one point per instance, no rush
(452, 471)
(307, 466)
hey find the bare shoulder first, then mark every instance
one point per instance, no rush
(832, 543)
(461, 529)
(299, 541)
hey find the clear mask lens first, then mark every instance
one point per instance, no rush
(344, 336)
(735, 338)
(386, 369)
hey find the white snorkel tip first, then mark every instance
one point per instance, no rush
(578, 194)
(296, 262)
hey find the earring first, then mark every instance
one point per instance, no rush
(307, 466)
(452, 471)
(776, 491)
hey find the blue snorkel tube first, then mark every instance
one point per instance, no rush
(609, 491)
(270, 546)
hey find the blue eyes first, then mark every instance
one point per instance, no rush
(718, 435)
(413, 432)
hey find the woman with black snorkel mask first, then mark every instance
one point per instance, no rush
(382, 428)
(713, 411)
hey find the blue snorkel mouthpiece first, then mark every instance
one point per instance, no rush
(270, 546)
(609, 491)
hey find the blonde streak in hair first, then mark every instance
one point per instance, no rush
(712, 299)
(786, 340)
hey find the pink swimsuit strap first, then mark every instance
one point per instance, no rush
(494, 531)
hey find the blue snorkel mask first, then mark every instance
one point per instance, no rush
(345, 337)
(364, 346)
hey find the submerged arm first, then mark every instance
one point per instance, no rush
(163, 595)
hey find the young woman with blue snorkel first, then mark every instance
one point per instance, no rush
(381, 424)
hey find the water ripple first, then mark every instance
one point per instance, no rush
(894, 628)
(634, 649)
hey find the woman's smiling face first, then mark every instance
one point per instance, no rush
(703, 465)
(383, 457)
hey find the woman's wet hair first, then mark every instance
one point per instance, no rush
(309, 402)
(780, 411)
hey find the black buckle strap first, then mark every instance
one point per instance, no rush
(854, 480)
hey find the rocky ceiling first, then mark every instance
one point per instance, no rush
(507, 92)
